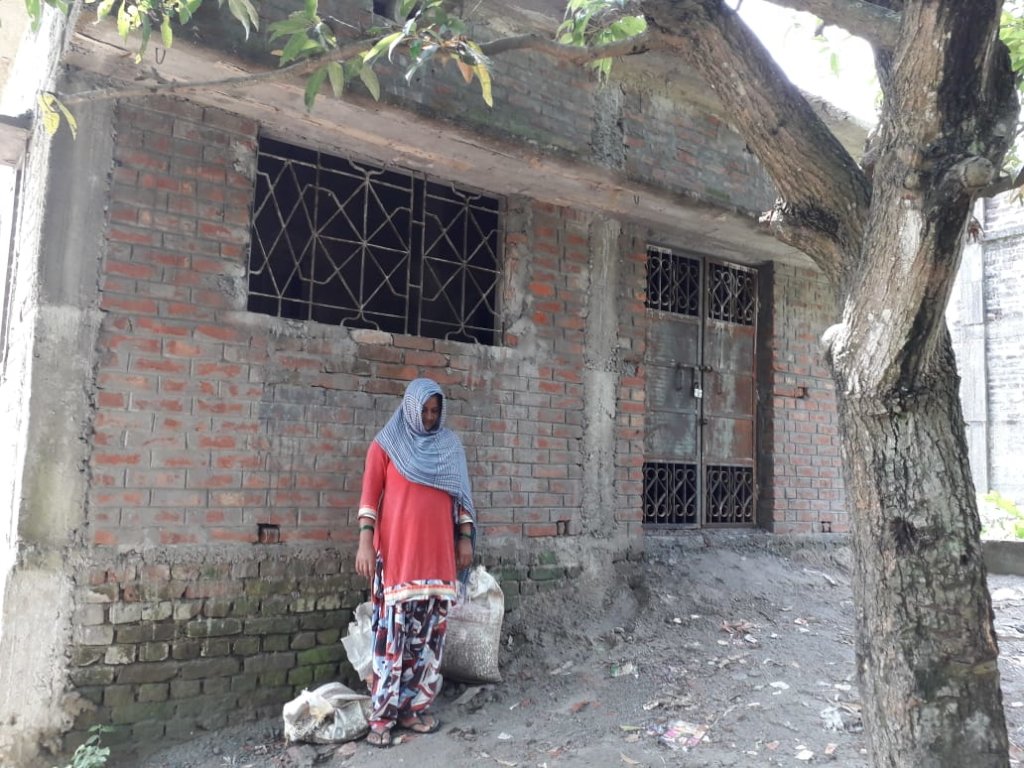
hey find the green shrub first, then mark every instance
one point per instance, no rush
(91, 754)
(1001, 518)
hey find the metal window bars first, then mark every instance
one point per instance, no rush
(346, 243)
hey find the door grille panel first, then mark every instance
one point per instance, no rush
(673, 282)
(670, 493)
(732, 294)
(729, 495)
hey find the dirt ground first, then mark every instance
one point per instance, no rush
(735, 654)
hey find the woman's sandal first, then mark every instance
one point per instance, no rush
(379, 737)
(420, 723)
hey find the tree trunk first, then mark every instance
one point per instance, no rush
(926, 650)
(889, 241)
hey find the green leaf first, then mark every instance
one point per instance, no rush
(311, 6)
(35, 13)
(352, 68)
(104, 8)
(425, 55)
(244, 11)
(313, 85)
(291, 25)
(73, 125)
(394, 44)
(298, 45)
(147, 30)
(51, 120)
(405, 8)
(124, 21)
(369, 78)
(187, 9)
(380, 46)
(337, 78)
(166, 34)
(484, 76)
(630, 26)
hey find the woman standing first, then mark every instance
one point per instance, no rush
(416, 530)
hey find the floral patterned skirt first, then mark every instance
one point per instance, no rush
(408, 640)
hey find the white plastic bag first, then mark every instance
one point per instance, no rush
(359, 642)
(474, 631)
(330, 714)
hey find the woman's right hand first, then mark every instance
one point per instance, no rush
(366, 559)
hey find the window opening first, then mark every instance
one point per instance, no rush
(347, 243)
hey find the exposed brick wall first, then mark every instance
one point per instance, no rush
(806, 486)
(210, 420)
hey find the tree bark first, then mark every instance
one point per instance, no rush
(926, 649)
(890, 244)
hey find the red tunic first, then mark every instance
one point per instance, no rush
(414, 532)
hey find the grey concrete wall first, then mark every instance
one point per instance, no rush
(70, 185)
(987, 324)
(968, 328)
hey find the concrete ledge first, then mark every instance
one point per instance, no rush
(1004, 557)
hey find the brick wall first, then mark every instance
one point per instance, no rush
(210, 421)
(805, 483)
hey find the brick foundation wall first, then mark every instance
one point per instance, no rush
(166, 645)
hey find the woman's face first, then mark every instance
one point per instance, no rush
(431, 412)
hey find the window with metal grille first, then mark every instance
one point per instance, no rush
(670, 493)
(673, 282)
(352, 244)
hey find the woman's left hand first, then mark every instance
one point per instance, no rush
(463, 554)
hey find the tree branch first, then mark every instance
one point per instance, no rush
(1003, 184)
(937, 150)
(648, 41)
(872, 21)
(820, 183)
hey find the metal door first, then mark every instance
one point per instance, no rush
(699, 447)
